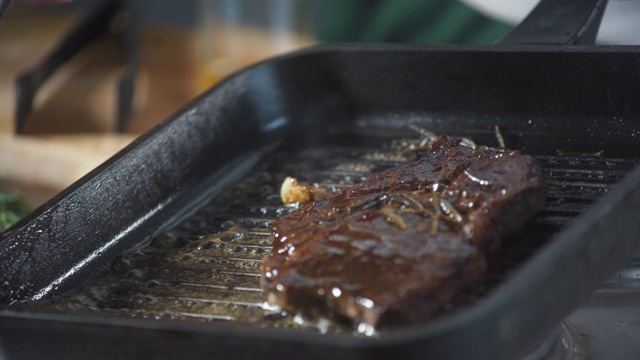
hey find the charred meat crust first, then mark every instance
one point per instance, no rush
(395, 248)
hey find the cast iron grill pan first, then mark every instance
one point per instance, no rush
(319, 107)
(223, 137)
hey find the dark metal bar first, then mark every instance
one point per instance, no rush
(94, 23)
(4, 5)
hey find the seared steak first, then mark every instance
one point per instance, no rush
(398, 246)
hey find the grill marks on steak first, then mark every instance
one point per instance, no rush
(399, 245)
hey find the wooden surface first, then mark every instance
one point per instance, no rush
(70, 130)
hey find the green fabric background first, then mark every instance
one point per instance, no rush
(412, 21)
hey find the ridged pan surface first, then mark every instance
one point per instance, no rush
(208, 267)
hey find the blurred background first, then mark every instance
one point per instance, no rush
(98, 73)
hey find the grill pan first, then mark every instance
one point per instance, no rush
(327, 113)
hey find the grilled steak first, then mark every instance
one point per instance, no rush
(398, 246)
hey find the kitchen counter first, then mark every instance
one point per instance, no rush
(70, 130)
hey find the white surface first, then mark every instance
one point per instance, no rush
(620, 24)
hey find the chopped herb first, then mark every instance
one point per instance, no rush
(500, 138)
(580, 154)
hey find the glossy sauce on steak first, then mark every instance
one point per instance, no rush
(395, 248)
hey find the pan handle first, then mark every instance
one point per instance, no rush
(559, 22)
